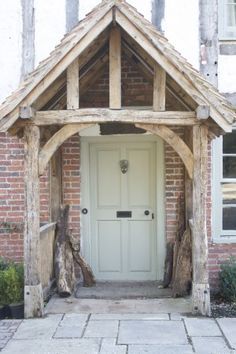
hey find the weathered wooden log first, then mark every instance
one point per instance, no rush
(179, 235)
(88, 277)
(183, 274)
(168, 264)
(64, 263)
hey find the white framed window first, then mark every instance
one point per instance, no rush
(224, 188)
(227, 19)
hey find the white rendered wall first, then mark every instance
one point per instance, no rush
(227, 73)
(182, 28)
(50, 26)
(11, 46)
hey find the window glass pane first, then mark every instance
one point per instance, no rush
(229, 218)
(229, 193)
(231, 15)
(229, 167)
(229, 142)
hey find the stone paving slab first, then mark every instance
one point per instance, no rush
(160, 349)
(38, 328)
(59, 346)
(198, 327)
(131, 316)
(71, 326)
(210, 345)
(228, 327)
(74, 319)
(69, 332)
(152, 332)
(7, 329)
(109, 347)
(106, 329)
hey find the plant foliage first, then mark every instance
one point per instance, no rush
(11, 283)
(227, 278)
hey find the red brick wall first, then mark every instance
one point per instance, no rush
(71, 180)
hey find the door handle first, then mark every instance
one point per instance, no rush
(147, 212)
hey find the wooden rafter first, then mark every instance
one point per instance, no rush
(72, 85)
(115, 68)
(159, 89)
(146, 65)
(56, 141)
(174, 141)
(59, 68)
(177, 75)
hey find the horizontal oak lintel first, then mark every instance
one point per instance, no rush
(94, 115)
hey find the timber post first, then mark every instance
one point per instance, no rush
(33, 295)
(200, 289)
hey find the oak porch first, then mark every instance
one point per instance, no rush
(194, 104)
(195, 162)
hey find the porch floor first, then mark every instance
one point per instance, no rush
(123, 290)
(58, 305)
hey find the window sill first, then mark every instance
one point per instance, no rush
(224, 239)
(227, 47)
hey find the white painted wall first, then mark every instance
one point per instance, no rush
(10, 44)
(181, 26)
(50, 25)
(227, 73)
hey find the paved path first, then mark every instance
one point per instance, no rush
(118, 334)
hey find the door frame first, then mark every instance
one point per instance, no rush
(85, 197)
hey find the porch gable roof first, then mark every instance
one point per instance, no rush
(142, 32)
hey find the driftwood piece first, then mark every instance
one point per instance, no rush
(64, 263)
(88, 277)
(183, 272)
(180, 232)
(168, 265)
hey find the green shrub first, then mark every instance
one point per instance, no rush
(227, 278)
(3, 263)
(11, 284)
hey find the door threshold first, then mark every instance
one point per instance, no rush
(119, 290)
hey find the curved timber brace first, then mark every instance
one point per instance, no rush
(56, 141)
(174, 141)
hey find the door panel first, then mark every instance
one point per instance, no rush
(109, 246)
(139, 246)
(139, 177)
(123, 248)
(109, 189)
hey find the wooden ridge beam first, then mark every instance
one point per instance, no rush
(174, 141)
(103, 115)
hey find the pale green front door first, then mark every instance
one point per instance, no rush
(123, 242)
